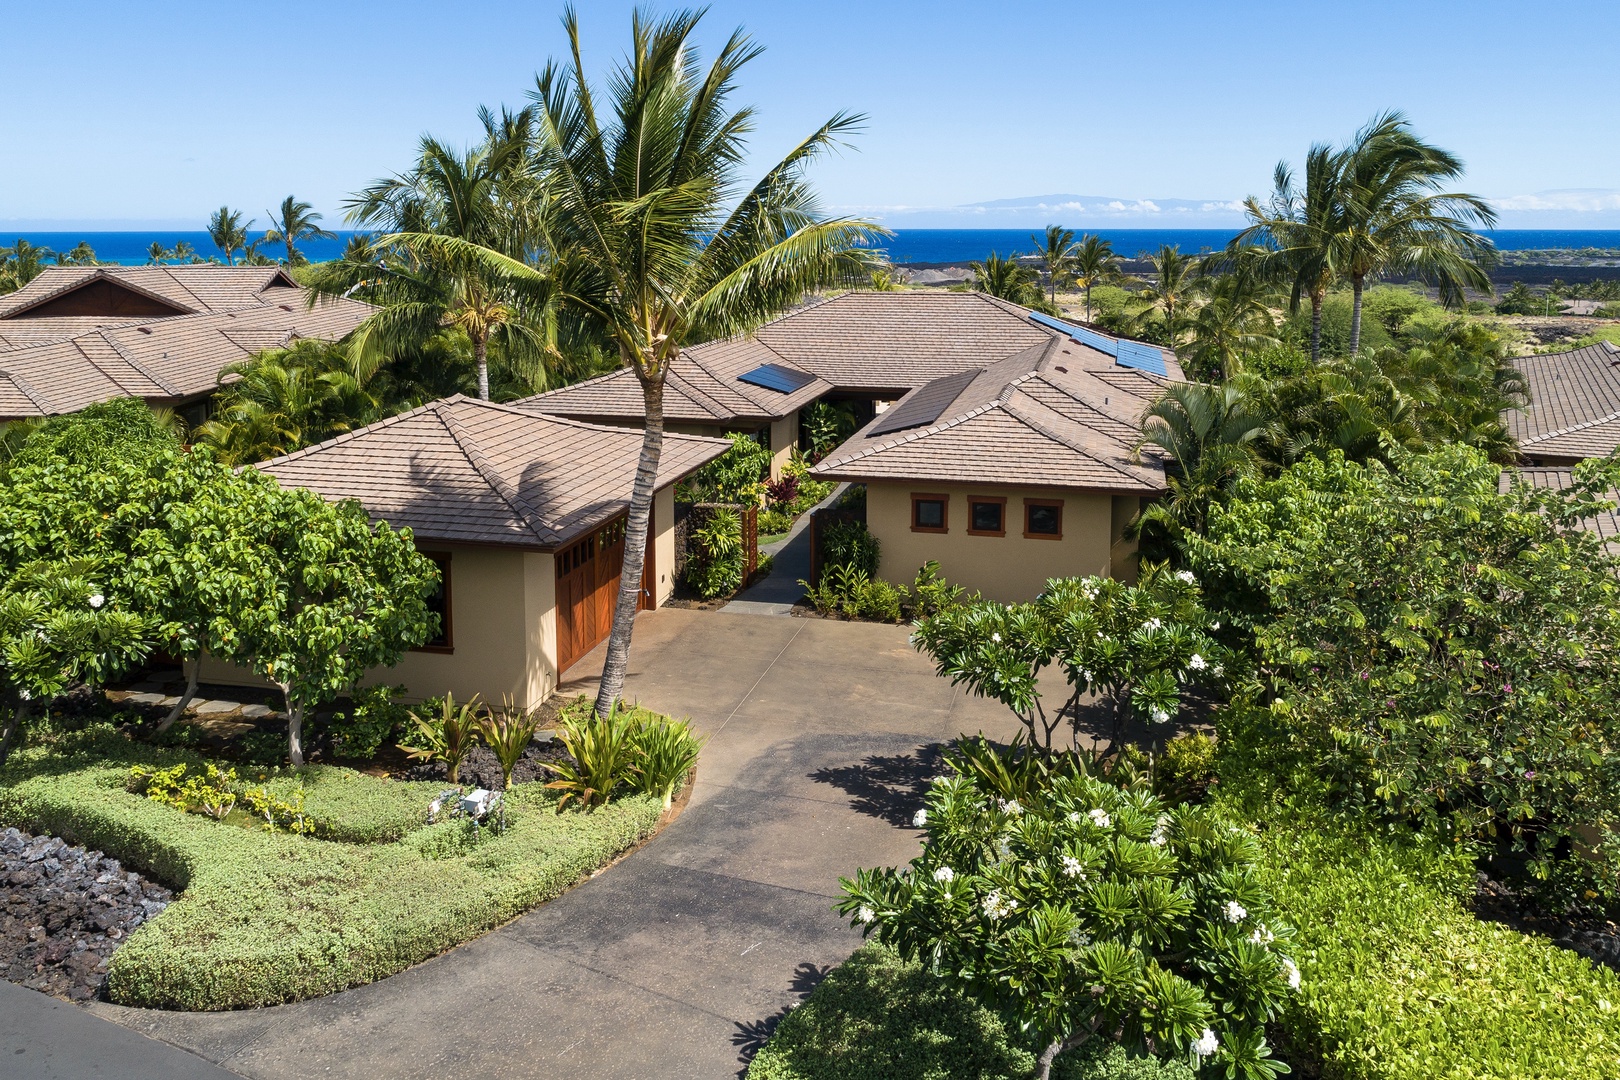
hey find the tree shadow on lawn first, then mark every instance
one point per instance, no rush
(890, 787)
(752, 1035)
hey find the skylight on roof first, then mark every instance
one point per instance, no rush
(1131, 354)
(784, 380)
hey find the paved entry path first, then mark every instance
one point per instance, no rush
(677, 962)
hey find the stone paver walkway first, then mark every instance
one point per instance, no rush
(677, 962)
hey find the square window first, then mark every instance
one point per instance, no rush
(928, 513)
(987, 517)
(1043, 519)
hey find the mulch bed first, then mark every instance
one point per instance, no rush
(1582, 930)
(65, 910)
(480, 769)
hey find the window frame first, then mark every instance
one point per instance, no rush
(944, 512)
(992, 500)
(1055, 504)
(444, 560)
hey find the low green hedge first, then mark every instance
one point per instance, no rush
(1402, 982)
(878, 1017)
(266, 918)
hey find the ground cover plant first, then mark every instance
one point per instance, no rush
(271, 916)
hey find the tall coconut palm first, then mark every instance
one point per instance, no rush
(1233, 322)
(1295, 233)
(228, 232)
(1394, 217)
(420, 289)
(21, 263)
(1057, 253)
(1006, 279)
(1092, 262)
(157, 254)
(81, 255)
(1170, 291)
(296, 222)
(654, 237)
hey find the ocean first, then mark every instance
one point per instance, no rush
(906, 246)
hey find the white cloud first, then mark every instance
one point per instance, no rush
(1578, 200)
(1232, 204)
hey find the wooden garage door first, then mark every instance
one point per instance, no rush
(588, 586)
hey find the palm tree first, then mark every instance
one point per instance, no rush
(284, 400)
(1057, 252)
(423, 289)
(1006, 279)
(183, 251)
(228, 232)
(1233, 322)
(81, 255)
(21, 263)
(1395, 218)
(652, 236)
(157, 254)
(1210, 435)
(295, 222)
(1092, 262)
(1294, 235)
(1170, 290)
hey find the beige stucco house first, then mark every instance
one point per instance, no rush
(524, 514)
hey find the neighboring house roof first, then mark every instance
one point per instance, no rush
(185, 290)
(462, 470)
(1053, 415)
(1574, 409)
(1580, 307)
(859, 342)
(169, 359)
(1605, 525)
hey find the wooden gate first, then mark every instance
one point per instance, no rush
(588, 587)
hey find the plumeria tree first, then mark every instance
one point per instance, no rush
(1133, 648)
(1091, 911)
(59, 626)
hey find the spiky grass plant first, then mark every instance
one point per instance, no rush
(448, 737)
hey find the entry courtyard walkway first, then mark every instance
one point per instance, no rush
(676, 963)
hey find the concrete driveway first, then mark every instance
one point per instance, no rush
(677, 962)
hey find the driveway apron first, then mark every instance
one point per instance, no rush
(677, 962)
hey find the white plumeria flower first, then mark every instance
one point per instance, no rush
(1161, 832)
(1072, 867)
(945, 875)
(1262, 935)
(996, 638)
(25, 695)
(1206, 1044)
(1291, 970)
(919, 819)
(1187, 576)
(1152, 624)
(1219, 669)
(1010, 806)
(1215, 625)
(1235, 912)
(997, 906)
(1099, 817)
(96, 600)
(1158, 715)
(1197, 663)
(866, 914)
(1085, 677)
(1074, 815)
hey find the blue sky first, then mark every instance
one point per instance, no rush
(132, 113)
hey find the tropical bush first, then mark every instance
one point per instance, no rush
(850, 543)
(826, 424)
(849, 591)
(445, 732)
(508, 732)
(368, 720)
(1091, 911)
(737, 476)
(714, 552)
(774, 522)
(631, 749)
(1429, 646)
(262, 918)
(1135, 646)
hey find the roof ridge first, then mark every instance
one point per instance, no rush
(161, 383)
(41, 402)
(485, 468)
(693, 394)
(109, 376)
(168, 272)
(350, 436)
(1584, 424)
(1042, 429)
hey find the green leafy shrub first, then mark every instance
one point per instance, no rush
(212, 792)
(849, 543)
(1432, 648)
(774, 522)
(826, 424)
(933, 594)
(847, 590)
(265, 918)
(1091, 911)
(715, 557)
(666, 753)
(1402, 982)
(1186, 767)
(370, 719)
(737, 476)
(1135, 646)
(508, 734)
(603, 749)
(878, 1017)
(447, 734)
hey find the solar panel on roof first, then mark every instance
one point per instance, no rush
(925, 404)
(784, 380)
(1131, 354)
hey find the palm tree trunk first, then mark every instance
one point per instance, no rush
(185, 699)
(1355, 315)
(14, 724)
(481, 356)
(1088, 301)
(1316, 328)
(635, 545)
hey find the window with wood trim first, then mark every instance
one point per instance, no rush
(438, 602)
(1043, 519)
(987, 516)
(930, 513)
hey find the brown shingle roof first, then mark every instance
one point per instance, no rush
(1040, 418)
(169, 359)
(462, 470)
(1606, 525)
(1574, 409)
(190, 289)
